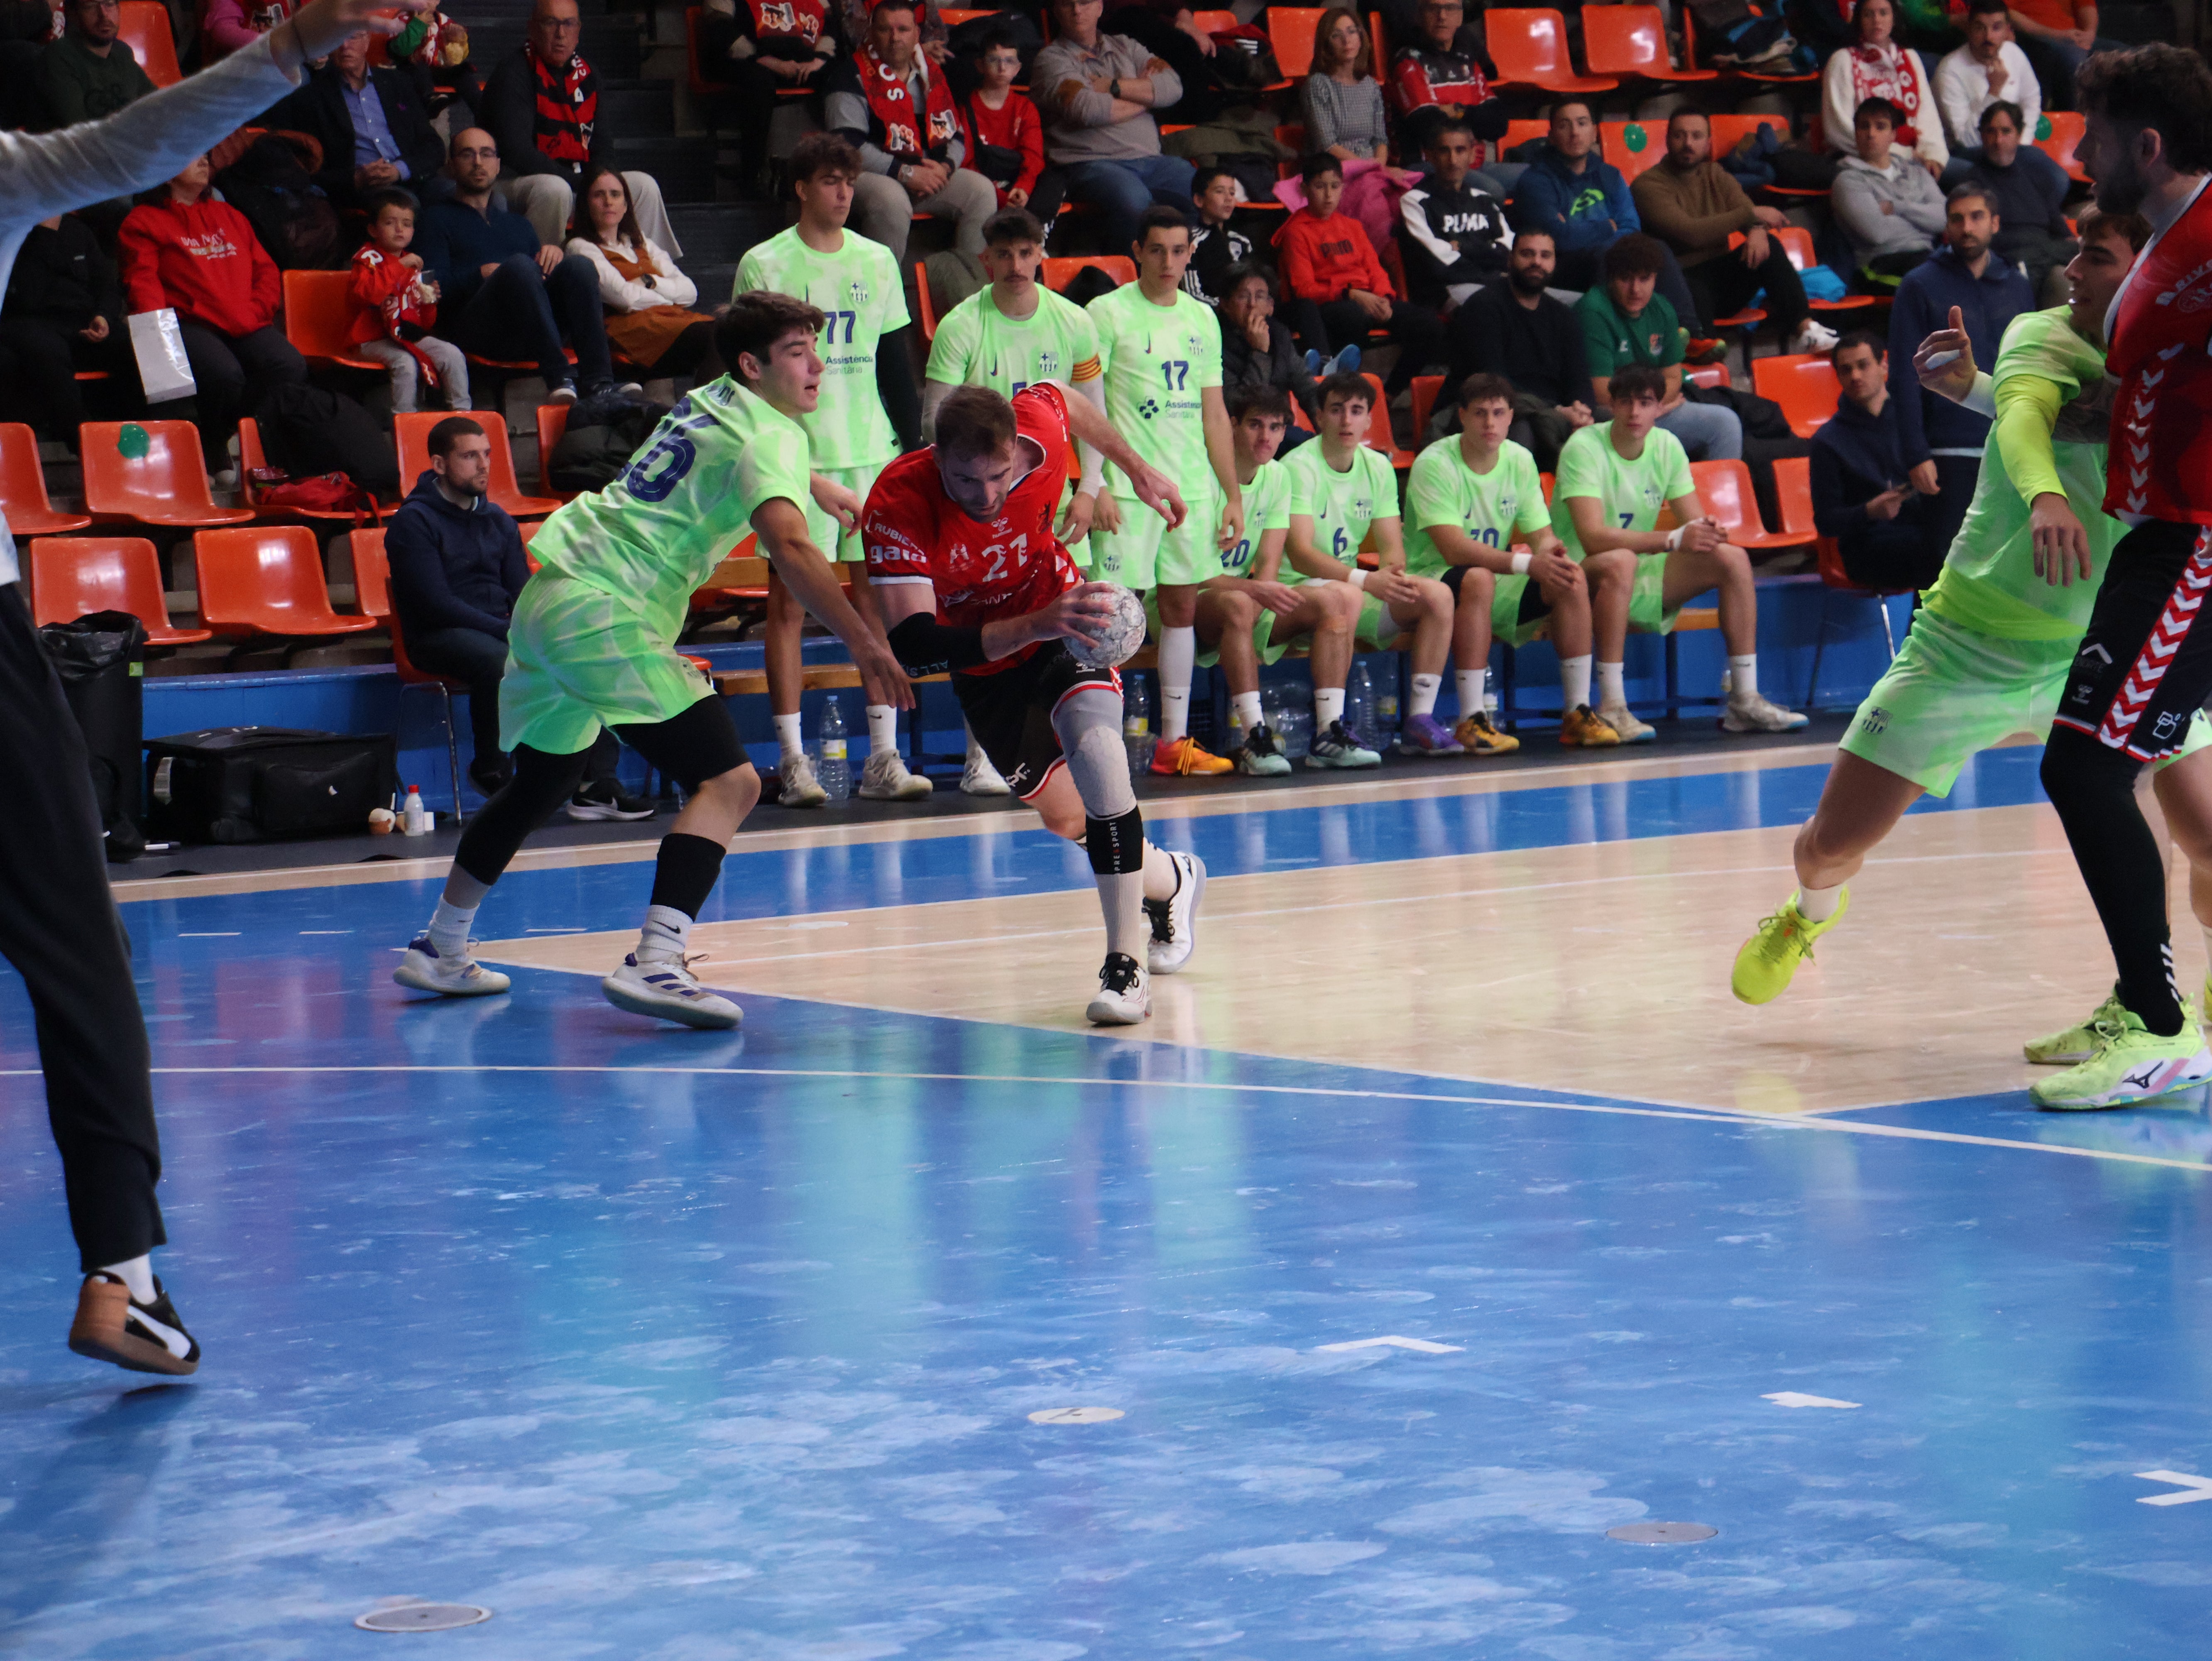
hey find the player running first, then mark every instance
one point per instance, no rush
(1469, 498)
(1613, 479)
(1988, 653)
(1342, 487)
(960, 541)
(593, 644)
(869, 411)
(1251, 614)
(1162, 353)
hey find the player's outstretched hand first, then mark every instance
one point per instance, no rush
(881, 674)
(1075, 524)
(1082, 613)
(2062, 546)
(321, 26)
(1953, 376)
(836, 501)
(1158, 493)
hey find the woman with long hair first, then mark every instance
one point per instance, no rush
(1341, 101)
(647, 300)
(1875, 66)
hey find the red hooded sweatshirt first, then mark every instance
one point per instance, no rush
(1324, 257)
(204, 260)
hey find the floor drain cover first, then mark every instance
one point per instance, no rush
(1662, 1534)
(1074, 1415)
(421, 1617)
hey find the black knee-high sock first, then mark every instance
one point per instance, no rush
(687, 872)
(2093, 788)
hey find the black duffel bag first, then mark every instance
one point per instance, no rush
(101, 658)
(232, 784)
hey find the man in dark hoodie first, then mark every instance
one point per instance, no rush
(456, 566)
(1861, 496)
(1452, 234)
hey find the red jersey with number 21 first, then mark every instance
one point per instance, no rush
(2161, 463)
(1008, 568)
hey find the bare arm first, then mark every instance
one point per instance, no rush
(1221, 451)
(781, 529)
(1306, 559)
(1089, 425)
(1599, 536)
(1079, 613)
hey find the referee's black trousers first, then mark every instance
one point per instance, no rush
(60, 929)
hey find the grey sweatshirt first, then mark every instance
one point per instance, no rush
(1915, 218)
(1079, 125)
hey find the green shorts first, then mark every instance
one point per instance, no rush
(1263, 635)
(578, 659)
(1953, 692)
(838, 543)
(1143, 553)
(1648, 610)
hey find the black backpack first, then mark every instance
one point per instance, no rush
(306, 431)
(602, 434)
(291, 218)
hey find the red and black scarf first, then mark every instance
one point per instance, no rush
(568, 110)
(892, 105)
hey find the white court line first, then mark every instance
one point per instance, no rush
(1838, 1127)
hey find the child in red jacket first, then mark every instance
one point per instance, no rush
(1335, 288)
(201, 259)
(1005, 133)
(396, 306)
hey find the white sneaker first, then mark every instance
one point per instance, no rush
(1124, 995)
(979, 778)
(667, 989)
(1748, 712)
(800, 787)
(1175, 919)
(1811, 336)
(886, 778)
(422, 970)
(1632, 731)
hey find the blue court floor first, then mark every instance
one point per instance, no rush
(667, 1346)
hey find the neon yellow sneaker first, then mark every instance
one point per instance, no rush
(2079, 1042)
(2130, 1065)
(1769, 960)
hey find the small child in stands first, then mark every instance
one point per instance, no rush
(1216, 248)
(397, 306)
(1005, 133)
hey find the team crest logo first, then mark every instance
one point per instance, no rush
(1361, 508)
(1652, 498)
(858, 291)
(1193, 344)
(1048, 364)
(1506, 504)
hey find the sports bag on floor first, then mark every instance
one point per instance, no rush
(100, 659)
(234, 784)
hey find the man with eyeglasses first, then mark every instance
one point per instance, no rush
(1434, 79)
(541, 105)
(89, 74)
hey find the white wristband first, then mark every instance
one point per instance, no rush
(1358, 577)
(1522, 559)
(1675, 537)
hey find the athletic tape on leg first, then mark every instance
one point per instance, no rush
(1088, 724)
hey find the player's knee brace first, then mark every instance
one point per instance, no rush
(1089, 727)
(1116, 846)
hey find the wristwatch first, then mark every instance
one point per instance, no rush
(1113, 87)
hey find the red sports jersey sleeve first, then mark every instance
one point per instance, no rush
(2161, 461)
(1008, 567)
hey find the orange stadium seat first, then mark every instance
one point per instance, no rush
(372, 581)
(145, 30)
(267, 579)
(1632, 41)
(318, 313)
(1530, 50)
(1805, 387)
(1379, 436)
(1634, 147)
(1058, 273)
(552, 427)
(1425, 390)
(74, 576)
(1291, 31)
(2068, 128)
(411, 432)
(168, 486)
(1725, 489)
(23, 487)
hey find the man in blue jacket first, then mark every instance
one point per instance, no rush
(500, 294)
(1861, 495)
(457, 566)
(1581, 201)
(1940, 442)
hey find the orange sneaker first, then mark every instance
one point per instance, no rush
(1582, 728)
(1186, 755)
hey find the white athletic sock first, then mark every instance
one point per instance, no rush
(137, 1274)
(1329, 706)
(665, 931)
(787, 736)
(449, 928)
(1163, 876)
(1743, 676)
(1249, 713)
(1611, 688)
(1425, 688)
(1473, 692)
(1178, 658)
(883, 729)
(1574, 680)
(1818, 905)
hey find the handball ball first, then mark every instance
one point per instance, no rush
(1123, 635)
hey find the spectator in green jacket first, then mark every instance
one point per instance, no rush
(89, 73)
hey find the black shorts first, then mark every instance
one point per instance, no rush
(1533, 602)
(2145, 666)
(1011, 713)
(698, 744)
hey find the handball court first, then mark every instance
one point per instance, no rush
(1448, 1213)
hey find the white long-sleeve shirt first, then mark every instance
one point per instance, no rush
(42, 175)
(1962, 91)
(618, 293)
(1840, 93)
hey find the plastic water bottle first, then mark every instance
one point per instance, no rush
(1386, 715)
(1296, 733)
(1137, 720)
(831, 767)
(1359, 702)
(414, 820)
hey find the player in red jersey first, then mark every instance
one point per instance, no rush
(971, 578)
(2145, 665)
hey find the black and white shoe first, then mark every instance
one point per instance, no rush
(606, 799)
(111, 1325)
(1175, 919)
(1125, 992)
